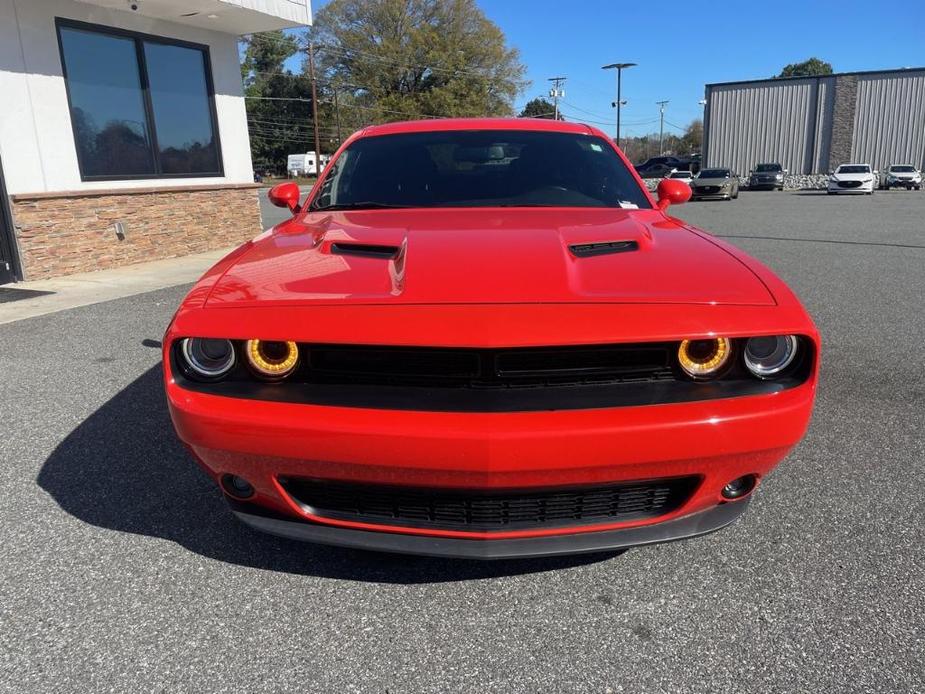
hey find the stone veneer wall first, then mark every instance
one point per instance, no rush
(63, 233)
(846, 99)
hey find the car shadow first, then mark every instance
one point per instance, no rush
(124, 469)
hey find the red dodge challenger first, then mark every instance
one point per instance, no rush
(485, 338)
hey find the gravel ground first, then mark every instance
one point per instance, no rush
(121, 570)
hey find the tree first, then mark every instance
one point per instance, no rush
(808, 68)
(539, 108)
(692, 141)
(404, 59)
(278, 102)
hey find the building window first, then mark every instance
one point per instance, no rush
(141, 106)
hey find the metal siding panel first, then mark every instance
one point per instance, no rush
(766, 121)
(889, 126)
(826, 106)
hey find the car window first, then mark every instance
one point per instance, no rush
(854, 169)
(480, 168)
(764, 168)
(903, 169)
(713, 173)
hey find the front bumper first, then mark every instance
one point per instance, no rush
(863, 188)
(716, 441)
(720, 195)
(696, 524)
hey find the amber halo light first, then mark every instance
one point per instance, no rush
(702, 359)
(271, 359)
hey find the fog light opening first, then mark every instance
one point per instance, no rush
(238, 487)
(740, 486)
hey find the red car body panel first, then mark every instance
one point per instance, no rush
(492, 278)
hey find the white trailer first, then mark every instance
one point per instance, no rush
(305, 164)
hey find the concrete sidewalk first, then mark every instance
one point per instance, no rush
(49, 296)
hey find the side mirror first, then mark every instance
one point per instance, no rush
(786, 172)
(831, 172)
(285, 195)
(671, 191)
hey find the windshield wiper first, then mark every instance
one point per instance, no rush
(364, 205)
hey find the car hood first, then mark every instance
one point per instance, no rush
(467, 256)
(711, 181)
(852, 176)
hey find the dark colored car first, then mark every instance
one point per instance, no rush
(659, 167)
(768, 176)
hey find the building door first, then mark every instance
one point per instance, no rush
(9, 272)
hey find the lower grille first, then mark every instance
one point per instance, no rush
(849, 184)
(480, 510)
(708, 190)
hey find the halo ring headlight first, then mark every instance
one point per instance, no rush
(208, 358)
(701, 359)
(272, 359)
(769, 355)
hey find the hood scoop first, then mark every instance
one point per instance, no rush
(365, 250)
(589, 250)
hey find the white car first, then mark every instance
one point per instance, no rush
(852, 178)
(685, 176)
(902, 176)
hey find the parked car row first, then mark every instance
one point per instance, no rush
(723, 183)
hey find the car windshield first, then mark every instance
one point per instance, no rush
(768, 167)
(903, 169)
(858, 168)
(479, 168)
(713, 173)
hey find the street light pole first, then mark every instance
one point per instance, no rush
(619, 67)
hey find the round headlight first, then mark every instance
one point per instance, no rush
(208, 358)
(768, 356)
(704, 358)
(272, 359)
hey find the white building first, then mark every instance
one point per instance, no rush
(123, 131)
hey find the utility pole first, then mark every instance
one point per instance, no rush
(337, 116)
(661, 125)
(557, 93)
(311, 73)
(619, 67)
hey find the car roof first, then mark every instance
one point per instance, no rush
(446, 124)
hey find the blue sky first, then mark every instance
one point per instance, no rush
(682, 46)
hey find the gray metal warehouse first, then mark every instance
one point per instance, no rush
(813, 124)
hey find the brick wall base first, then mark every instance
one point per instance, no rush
(63, 233)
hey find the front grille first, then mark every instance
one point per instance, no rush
(485, 511)
(849, 184)
(485, 368)
(708, 190)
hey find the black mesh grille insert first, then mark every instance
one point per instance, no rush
(486, 368)
(490, 510)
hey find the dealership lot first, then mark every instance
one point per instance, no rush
(122, 570)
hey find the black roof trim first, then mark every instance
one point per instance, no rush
(892, 71)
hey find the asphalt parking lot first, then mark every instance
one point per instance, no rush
(122, 570)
